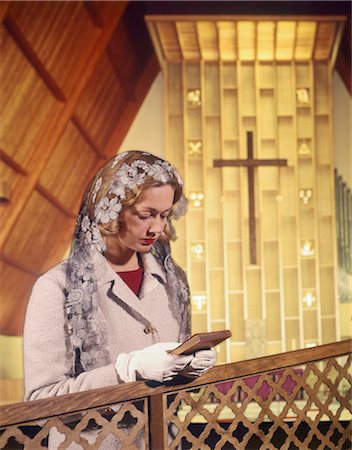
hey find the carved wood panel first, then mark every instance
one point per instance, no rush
(123, 426)
(293, 408)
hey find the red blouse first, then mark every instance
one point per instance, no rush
(133, 279)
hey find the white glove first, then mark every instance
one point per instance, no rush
(202, 361)
(151, 363)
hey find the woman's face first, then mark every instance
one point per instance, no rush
(141, 224)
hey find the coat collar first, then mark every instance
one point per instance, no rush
(152, 266)
(105, 273)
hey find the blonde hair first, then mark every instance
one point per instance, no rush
(107, 173)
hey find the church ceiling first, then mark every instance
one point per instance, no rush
(245, 38)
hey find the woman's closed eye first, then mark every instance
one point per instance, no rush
(164, 216)
(144, 217)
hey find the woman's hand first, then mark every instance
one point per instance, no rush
(152, 363)
(201, 361)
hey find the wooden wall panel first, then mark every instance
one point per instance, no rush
(60, 34)
(55, 124)
(23, 96)
(70, 166)
(101, 104)
(15, 288)
(40, 237)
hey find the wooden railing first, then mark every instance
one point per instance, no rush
(295, 400)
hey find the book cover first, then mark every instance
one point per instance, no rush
(201, 341)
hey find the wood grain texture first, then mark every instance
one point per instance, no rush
(32, 57)
(70, 165)
(101, 103)
(23, 96)
(33, 236)
(146, 78)
(60, 36)
(37, 409)
(127, 422)
(157, 413)
(295, 406)
(4, 6)
(15, 285)
(51, 130)
(106, 9)
(305, 404)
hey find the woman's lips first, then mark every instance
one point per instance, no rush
(148, 241)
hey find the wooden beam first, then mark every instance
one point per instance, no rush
(154, 34)
(249, 163)
(32, 57)
(336, 46)
(83, 131)
(343, 59)
(11, 163)
(18, 266)
(249, 16)
(54, 201)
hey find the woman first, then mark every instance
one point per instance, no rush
(110, 312)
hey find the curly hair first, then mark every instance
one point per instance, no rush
(107, 172)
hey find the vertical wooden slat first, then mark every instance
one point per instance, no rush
(285, 40)
(208, 40)
(227, 40)
(158, 422)
(265, 40)
(246, 40)
(305, 40)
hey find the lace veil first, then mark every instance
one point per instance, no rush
(116, 185)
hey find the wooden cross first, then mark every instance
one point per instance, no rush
(250, 163)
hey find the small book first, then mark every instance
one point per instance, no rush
(201, 341)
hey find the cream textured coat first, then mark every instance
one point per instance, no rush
(46, 356)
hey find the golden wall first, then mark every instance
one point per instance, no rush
(259, 240)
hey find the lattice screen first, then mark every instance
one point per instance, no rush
(295, 408)
(123, 426)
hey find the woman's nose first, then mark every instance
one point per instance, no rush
(157, 225)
